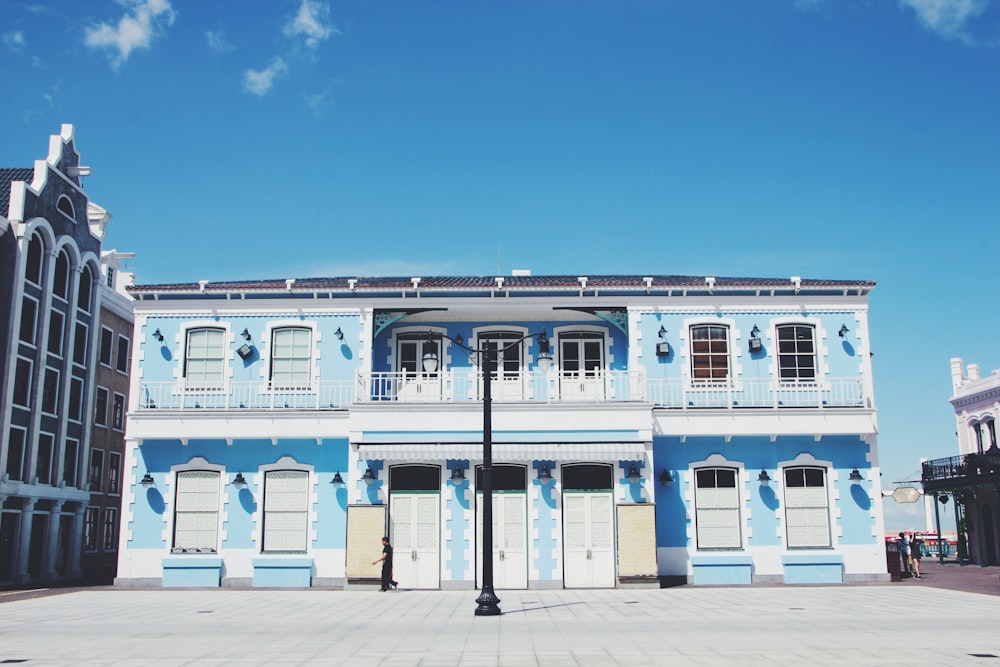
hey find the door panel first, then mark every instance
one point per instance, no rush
(414, 530)
(510, 547)
(588, 540)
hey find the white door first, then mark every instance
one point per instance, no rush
(413, 530)
(588, 540)
(510, 545)
(581, 366)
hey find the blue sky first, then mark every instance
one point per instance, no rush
(853, 139)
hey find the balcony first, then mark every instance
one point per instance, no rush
(465, 385)
(965, 471)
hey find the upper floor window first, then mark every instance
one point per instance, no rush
(101, 406)
(717, 508)
(60, 281)
(29, 320)
(66, 206)
(80, 344)
(581, 352)
(709, 353)
(57, 322)
(85, 290)
(96, 475)
(70, 455)
(291, 358)
(286, 510)
(196, 511)
(508, 356)
(807, 511)
(796, 352)
(16, 454)
(410, 351)
(107, 340)
(121, 361)
(204, 357)
(114, 472)
(33, 265)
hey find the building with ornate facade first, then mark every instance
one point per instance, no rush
(53, 302)
(972, 478)
(643, 430)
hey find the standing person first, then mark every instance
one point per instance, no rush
(904, 552)
(386, 559)
(915, 544)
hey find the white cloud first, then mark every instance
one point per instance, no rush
(14, 40)
(311, 22)
(948, 18)
(260, 82)
(217, 42)
(142, 21)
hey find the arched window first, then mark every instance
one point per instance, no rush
(33, 265)
(60, 283)
(66, 206)
(86, 290)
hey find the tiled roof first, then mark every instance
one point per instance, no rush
(513, 283)
(7, 176)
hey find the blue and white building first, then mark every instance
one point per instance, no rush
(689, 429)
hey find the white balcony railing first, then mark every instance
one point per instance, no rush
(532, 386)
(757, 393)
(466, 385)
(246, 395)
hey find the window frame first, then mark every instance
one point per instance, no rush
(34, 264)
(200, 529)
(91, 523)
(51, 391)
(62, 271)
(704, 494)
(781, 356)
(33, 341)
(101, 416)
(114, 473)
(120, 367)
(17, 390)
(117, 412)
(294, 384)
(799, 542)
(95, 473)
(206, 384)
(57, 333)
(109, 530)
(74, 470)
(107, 340)
(21, 473)
(47, 481)
(269, 514)
(80, 340)
(695, 355)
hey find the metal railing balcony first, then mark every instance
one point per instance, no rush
(968, 468)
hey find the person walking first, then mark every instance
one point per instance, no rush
(386, 560)
(915, 544)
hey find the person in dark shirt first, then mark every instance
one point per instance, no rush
(386, 560)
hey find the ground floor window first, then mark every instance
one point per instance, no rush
(807, 509)
(286, 510)
(90, 528)
(196, 514)
(717, 509)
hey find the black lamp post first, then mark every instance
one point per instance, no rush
(489, 603)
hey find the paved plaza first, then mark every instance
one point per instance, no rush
(947, 618)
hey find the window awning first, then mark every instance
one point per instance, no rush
(528, 451)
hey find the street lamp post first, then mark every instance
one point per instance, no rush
(489, 603)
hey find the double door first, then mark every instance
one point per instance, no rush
(510, 540)
(414, 529)
(588, 540)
